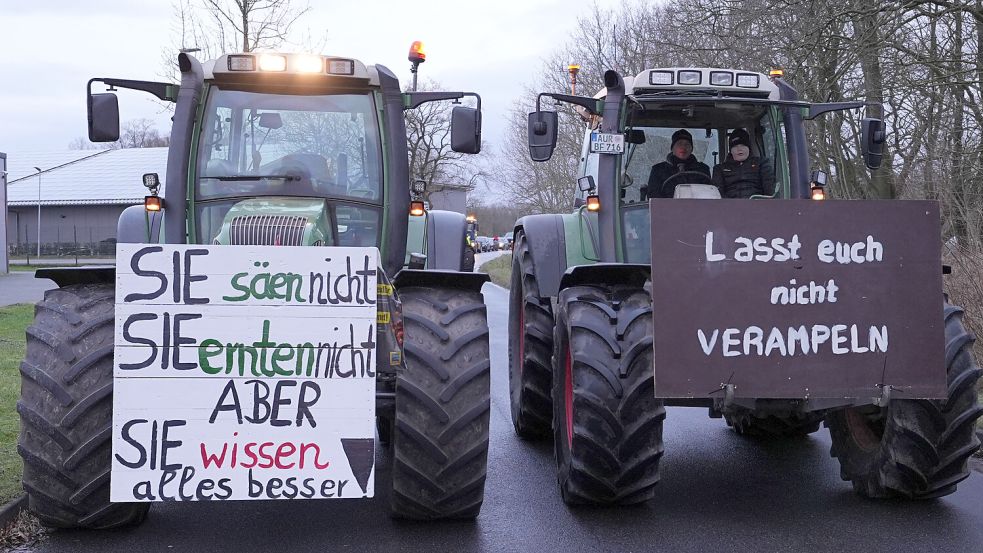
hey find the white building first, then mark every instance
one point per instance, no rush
(81, 193)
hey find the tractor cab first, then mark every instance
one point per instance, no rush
(289, 150)
(307, 150)
(669, 133)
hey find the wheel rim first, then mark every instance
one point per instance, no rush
(568, 397)
(865, 429)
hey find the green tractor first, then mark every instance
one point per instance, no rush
(471, 246)
(278, 150)
(632, 302)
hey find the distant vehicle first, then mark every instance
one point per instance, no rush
(485, 243)
(509, 237)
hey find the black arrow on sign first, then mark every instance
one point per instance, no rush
(361, 457)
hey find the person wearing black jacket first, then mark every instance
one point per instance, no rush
(680, 159)
(742, 175)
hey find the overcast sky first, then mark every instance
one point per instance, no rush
(50, 48)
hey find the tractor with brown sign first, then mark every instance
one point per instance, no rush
(277, 150)
(772, 307)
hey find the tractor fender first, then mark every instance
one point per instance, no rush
(133, 224)
(67, 276)
(631, 274)
(547, 245)
(468, 282)
(445, 240)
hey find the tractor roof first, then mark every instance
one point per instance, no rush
(269, 66)
(699, 81)
(702, 80)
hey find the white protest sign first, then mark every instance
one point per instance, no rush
(243, 372)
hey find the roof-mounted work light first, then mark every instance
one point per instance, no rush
(270, 62)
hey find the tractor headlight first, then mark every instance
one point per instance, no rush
(270, 62)
(308, 64)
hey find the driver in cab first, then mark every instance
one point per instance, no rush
(679, 160)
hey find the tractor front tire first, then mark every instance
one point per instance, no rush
(468, 265)
(530, 348)
(66, 411)
(607, 422)
(914, 448)
(440, 440)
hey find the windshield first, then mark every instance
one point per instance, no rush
(703, 134)
(255, 144)
(651, 163)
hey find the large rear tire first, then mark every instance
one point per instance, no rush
(66, 411)
(530, 348)
(607, 421)
(440, 440)
(914, 448)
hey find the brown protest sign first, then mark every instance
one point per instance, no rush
(797, 299)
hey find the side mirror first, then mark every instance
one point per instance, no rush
(466, 130)
(270, 120)
(542, 134)
(872, 138)
(103, 117)
(635, 136)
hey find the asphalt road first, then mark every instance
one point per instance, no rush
(719, 492)
(22, 287)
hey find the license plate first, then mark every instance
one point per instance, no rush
(604, 143)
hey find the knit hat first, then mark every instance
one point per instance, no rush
(738, 137)
(681, 134)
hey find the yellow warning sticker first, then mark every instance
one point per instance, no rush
(384, 289)
(382, 317)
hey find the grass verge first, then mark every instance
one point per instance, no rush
(499, 269)
(13, 320)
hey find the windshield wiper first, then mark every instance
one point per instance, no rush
(253, 177)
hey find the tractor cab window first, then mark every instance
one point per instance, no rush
(652, 168)
(254, 144)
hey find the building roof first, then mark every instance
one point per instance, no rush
(93, 177)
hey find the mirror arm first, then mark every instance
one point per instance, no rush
(164, 91)
(412, 100)
(590, 104)
(815, 110)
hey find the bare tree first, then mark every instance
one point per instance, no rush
(214, 27)
(140, 133)
(83, 143)
(135, 133)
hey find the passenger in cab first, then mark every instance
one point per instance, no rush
(680, 159)
(742, 175)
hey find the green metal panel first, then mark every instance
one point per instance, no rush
(579, 245)
(416, 236)
(386, 177)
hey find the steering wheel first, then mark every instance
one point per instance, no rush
(687, 177)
